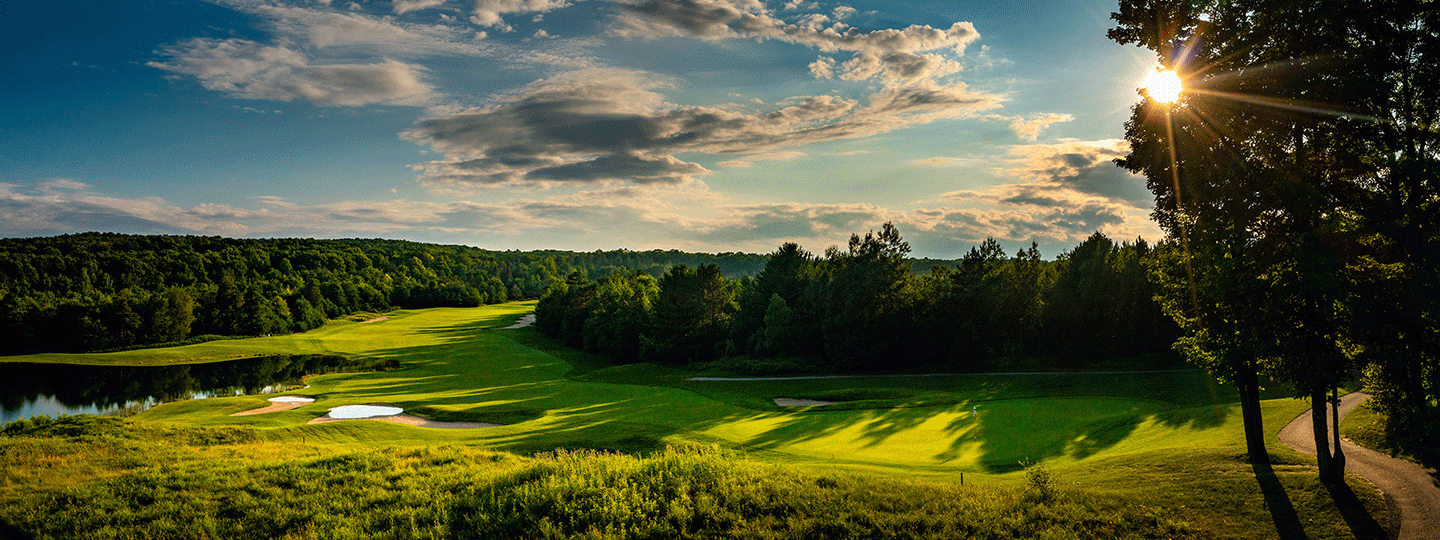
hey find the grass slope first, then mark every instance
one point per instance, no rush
(1173, 438)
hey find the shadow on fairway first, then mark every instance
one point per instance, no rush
(1361, 523)
(467, 370)
(1282, 511)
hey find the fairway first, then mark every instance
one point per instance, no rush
(462, 365)
(1171, 438)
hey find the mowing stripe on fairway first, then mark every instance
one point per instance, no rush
(1003, 373)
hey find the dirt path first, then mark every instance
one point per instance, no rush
(1412, 496)
(277, 404)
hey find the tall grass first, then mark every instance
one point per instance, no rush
(168, 483)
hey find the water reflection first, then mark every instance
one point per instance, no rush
(52, 389)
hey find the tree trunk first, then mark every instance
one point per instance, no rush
(1319, 420)
(1339, 463)
(1249, 385)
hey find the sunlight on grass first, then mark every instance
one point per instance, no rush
(1131, 435)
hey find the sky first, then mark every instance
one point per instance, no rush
(699, 125)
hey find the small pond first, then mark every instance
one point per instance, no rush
(28, 390)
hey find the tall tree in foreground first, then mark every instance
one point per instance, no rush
(1245, 167)
(1396, 302)
(1297, 180)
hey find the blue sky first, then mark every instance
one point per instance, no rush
(702, 125)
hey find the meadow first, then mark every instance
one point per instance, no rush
(650, 453)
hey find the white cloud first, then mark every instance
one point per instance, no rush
(639, 217)
(610, 124)
(489, 12)
(951, 162)
(893, 52)
(1065, 191)
(403, 6)
(749, 160)
(359, 32)
(249, 70)
(1030, 128)
(823, 68)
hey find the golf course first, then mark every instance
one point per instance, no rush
(581, 447)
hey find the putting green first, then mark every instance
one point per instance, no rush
(459, 364)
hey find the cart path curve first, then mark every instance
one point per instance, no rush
(1412, 494)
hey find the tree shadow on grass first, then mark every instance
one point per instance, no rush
(1282, 511)
(1361, 523)
(463, 368)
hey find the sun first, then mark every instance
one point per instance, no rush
(1163, 86)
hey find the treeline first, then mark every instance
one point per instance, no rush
(99, 291)
(863, 308)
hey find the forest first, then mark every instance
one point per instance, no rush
(104, 291)
(864, 309)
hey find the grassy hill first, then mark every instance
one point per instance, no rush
(1137, 455)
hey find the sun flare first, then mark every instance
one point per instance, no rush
(1163, 86)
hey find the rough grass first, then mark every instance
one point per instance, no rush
(163, 486)
(1366, 427)
(1170, 439)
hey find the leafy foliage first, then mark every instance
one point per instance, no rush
(864, 309)
(1298, 179)
(96, 291)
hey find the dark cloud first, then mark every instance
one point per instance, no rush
(666, 169)
(792, 222)
(1034, 199)
(1084, 167)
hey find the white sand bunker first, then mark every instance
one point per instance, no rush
(788, 402)
(350, 412)
(392, 414)
(522, 322)
(376, 319)
(277, 404)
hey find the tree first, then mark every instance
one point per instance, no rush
(1396, 268)
(788, 271)
(172, 314)
(1262, 171)
(1214, 166)
(865, 299)
(619, 312)
(692, 315)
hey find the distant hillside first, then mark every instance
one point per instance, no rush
(97, 291)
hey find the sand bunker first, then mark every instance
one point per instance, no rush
(395, 415)
(788, 402)
(277, 404)
(523, 322)
(376, 319)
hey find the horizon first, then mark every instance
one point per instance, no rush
(699, 125)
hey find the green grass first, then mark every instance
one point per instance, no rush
(1173, 438)
(1366, 427)
(185, 490)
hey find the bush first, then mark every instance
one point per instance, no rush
(1040, 483)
